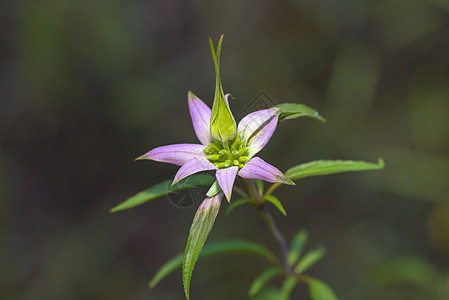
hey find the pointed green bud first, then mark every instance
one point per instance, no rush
(222, 123)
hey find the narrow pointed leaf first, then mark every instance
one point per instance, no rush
(309, 259)
(202, 224)
(298, 244)
(287, 288)
(212, 249)
(275, 201)
(261, 280)
(325, 167)
(236, 204)
(295, 110)
(319, 290)
(162, 189)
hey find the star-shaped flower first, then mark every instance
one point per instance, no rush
(228, 158)
(223, 148)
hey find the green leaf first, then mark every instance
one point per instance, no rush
(222, 122)
(287, 288)
(235, 204)
(275, 201)
(202, 224)
(309, 259)
(268, 293)
(325, 167)
(298, 244)
(263, 279)
(294, 110)
(162, 189)
(212, 249)
(214, 189)
(319, 290)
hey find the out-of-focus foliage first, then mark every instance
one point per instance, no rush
(413, 274)
(85, 86)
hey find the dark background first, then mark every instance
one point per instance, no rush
(86, 86)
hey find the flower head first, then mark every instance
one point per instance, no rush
(224, 149)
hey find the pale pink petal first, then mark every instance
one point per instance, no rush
(200, 114)
(177, 154)
(253, 125)
(252, 122)
(262, 137)
(226, 178)
(257, 168)
(194, 165)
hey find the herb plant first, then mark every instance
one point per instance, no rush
(229, 150)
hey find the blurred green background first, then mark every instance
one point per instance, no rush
(87, 86)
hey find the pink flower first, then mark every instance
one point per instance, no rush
(228, 158)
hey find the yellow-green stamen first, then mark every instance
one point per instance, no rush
(232, 153)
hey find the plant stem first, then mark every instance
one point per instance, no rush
(251, 191)
(256, 191)
(268, 218)
(240, 192)
(272, 188)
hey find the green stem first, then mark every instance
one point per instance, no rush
(251, 191)
(272, 188)
(256, 191)
(268, 218)
(240, 192)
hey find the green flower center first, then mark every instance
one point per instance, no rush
(227, 154)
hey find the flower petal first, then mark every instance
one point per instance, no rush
(177, 154)
(257, 168)
(226, 178)
(200, 114)
(253, 121)
(261, 138)
(194, 165)
(259, 126)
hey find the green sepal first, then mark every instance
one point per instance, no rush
(296, 247)
(261, 280)
(222, 122)
(202, 224)
(163, 188)
(325, 167)
(275, 201)
(294, 110)
(319, 290)
(214, 189)
(309, 259)
(212, 249)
